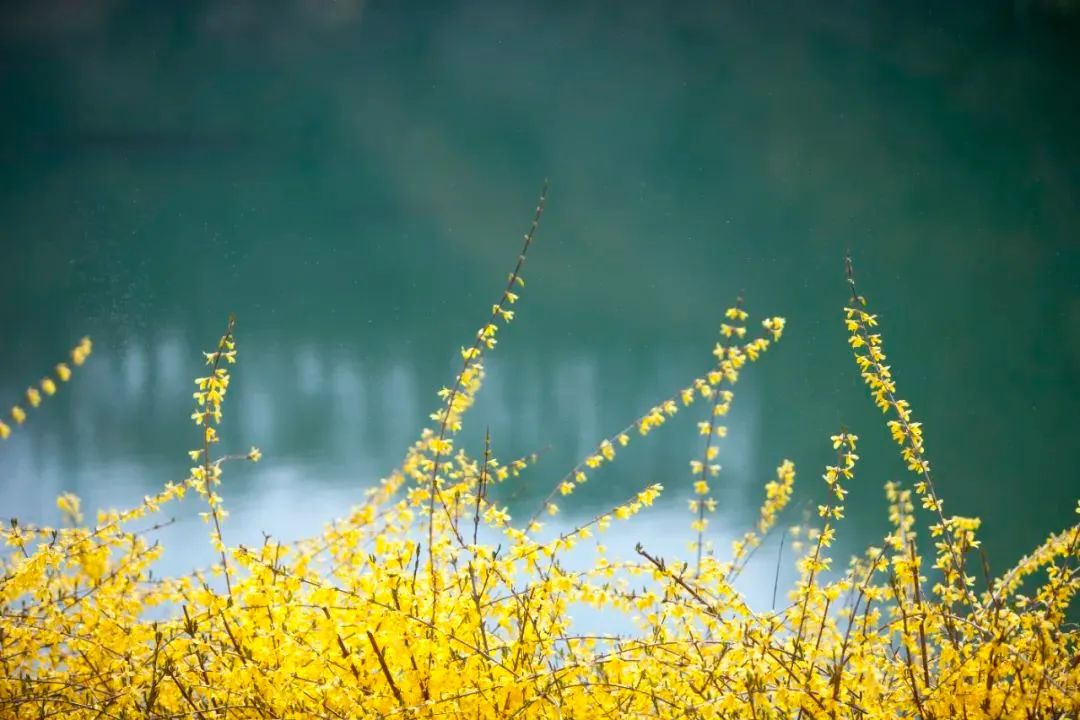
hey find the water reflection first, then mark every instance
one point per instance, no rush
(331, 422)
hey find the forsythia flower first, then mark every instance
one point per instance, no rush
(70, 505)
(375, 618)
(81, 351)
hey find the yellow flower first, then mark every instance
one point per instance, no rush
(649, 494)
(48, 386)
(18, 415)
(402, 604)
(69, 504)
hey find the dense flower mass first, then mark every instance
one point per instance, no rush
(428, 600)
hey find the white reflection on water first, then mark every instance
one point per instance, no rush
(399, 408)
(348, 403)
(309, 371)
(257, 418)
(172, 365)
(134, 369)
(576, 402)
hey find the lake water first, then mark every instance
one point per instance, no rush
(352, 180)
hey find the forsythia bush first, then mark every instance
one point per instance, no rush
(427, 600)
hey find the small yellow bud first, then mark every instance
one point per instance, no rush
(70, 504)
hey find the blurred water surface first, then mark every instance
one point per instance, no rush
(352, 179)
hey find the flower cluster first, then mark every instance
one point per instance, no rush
(711, 387)
(427, 599)
(730, 358)
(957, 533)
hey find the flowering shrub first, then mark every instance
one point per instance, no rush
(406, 608)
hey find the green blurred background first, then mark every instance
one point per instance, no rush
(352, 180)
